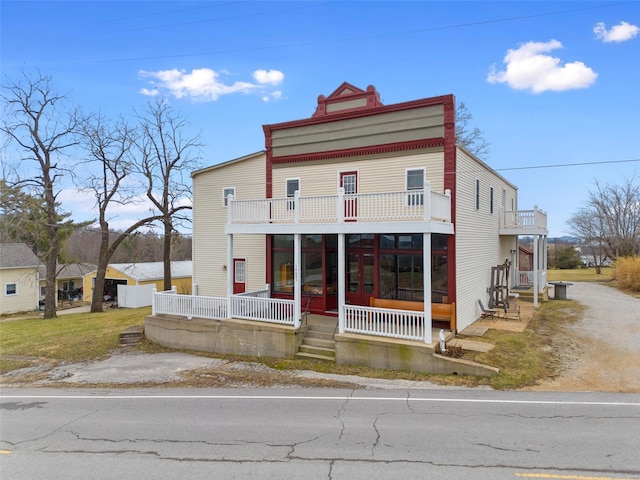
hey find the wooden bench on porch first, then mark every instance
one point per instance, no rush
(440, 312)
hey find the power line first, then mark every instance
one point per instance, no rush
(321, 42)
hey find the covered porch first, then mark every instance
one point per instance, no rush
(341, 218)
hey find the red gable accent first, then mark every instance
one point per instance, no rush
(347, 93)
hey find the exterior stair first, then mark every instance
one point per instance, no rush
(318, 343)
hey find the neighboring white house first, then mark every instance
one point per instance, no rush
(359, 203)
(18, 278)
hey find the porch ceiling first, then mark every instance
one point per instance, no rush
(346, 228)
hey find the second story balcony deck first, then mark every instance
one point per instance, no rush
(407, 211)
(523, 222)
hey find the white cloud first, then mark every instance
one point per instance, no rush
(271, 77)
(528, 68)
(277, 95)
(618, 33)
(204, 84)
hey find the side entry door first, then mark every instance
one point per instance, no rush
(349, 181)
(239, 275)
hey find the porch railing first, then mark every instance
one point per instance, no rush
(526, 279)
(527, 219)
(170, 303)
(418, 205)
(384, 322)
(272, 310)
(248, 306)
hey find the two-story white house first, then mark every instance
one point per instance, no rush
(365, 213)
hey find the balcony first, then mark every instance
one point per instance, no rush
(524, 222)
(361, 212)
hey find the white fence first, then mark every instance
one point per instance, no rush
(363, 207)
(134, 296)
(249, 306)
(385, 322)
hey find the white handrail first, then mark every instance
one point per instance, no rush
(384, 322)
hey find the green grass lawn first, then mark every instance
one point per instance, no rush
(580, 275)
(72, 338)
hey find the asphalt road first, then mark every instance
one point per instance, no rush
(317, 434)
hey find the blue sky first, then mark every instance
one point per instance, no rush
(554, 86)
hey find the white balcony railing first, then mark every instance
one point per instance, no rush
(524, 219)
(411, 205)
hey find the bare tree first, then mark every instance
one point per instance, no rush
(110, 148)
(471, 138)
(167, 159)
(612, 213)
(42, 124)
(589, 228)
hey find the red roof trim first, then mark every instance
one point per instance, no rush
(356, 113)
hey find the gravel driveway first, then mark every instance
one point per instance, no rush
(605, 351)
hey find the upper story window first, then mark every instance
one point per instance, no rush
(415, 181)
(490, 199)
(11, 289)
(225, 194)
(477, 194)
(293, 185)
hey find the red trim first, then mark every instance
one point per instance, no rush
(355, 113)
(269, 161)
(348, 93)
(269, 259)
(450, 183)
(354, 152)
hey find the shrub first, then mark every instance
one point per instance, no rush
(626, 271)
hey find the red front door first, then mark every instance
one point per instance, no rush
(349, 181)
(239, 275)
(360, 278)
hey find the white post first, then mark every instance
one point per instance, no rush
(426, 267)
(296, 206)
(341, 282)
(536, 280)
(447, 192)
(340, 206)
(194, 289)
(297, 279)
(229, 274)
(154, 295)
(426, 201)
(229, 208)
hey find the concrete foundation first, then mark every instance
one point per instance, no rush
(242, 337)
(394, 354)
(232, 336)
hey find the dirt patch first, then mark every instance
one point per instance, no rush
(601, 351)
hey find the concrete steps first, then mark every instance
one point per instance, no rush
(318, 343)
(131, 336)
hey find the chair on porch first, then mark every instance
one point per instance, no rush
(487, 313)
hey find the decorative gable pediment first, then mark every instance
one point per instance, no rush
(347, 98)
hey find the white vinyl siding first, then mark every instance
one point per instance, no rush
(479, 245)
(19, 290)
(375, 173)
(248, 175)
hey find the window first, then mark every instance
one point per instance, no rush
(11, 289)
(240, 269)
(477, 194)
(415, 181)
(490, 199)
(293, 185)
(225, 194)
